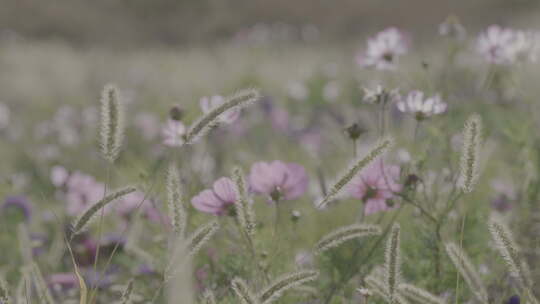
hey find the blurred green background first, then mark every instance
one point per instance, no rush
(184, 22)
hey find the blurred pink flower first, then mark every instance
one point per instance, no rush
(375, 185)
(384, 49)
(279, 180)
(173, 133)
(496, 44)
(128, 203)
(218, 199)
(209, 103)
(82, 191)
(59, 176)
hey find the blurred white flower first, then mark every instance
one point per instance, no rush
(209, 103)
(505, 46)
(59, 176)
(173, 133)
(384, 49)
(451, 27)
(331, 91)
(403, 156)
(304, 259)
(422, 108)
(297, 90)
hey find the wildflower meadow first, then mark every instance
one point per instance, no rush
(274, 168)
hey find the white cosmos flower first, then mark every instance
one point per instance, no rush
(384, 49)
(209, 103)
(173, 133)
(415, 103)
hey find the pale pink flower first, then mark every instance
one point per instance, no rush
(173, 133)
(209, 103)
(59, 176)
(375, 185)
(217, 200)
(129, 203)
(384, 49)
(496, 44)
(278, 179)
(82, 191)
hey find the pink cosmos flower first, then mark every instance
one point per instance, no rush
(173, 133)
(129, 203)
(384, 49)
(218, 199)
(375, 185)
(278, 180)
(209, 103)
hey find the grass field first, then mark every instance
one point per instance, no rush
(463, 170)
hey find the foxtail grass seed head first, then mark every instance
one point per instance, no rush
(344, 234)
(84, 220)
(24, 291)
(112, 123)
(175, 202)
(42, 290)
(378, 287)
(244, 209)
(509, 251)
(5, 297)
(126, 294)
(276, 289)
(392, 262)
(419, 295)
(243, 292)
(201, 236)
(379, 149)
(210, 119)
(468, 272)
(208, 297)
(470, 154)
